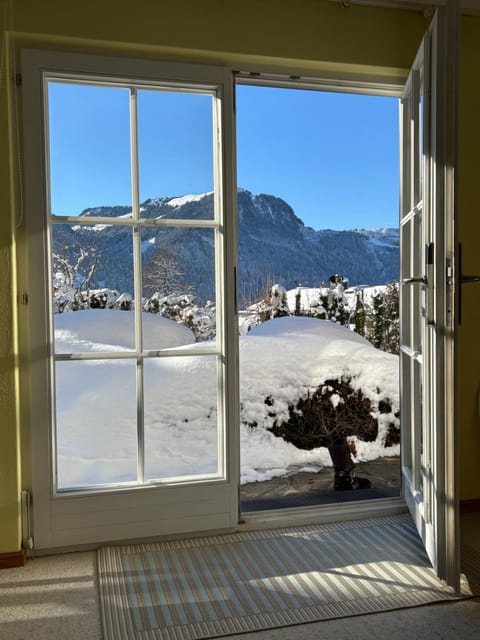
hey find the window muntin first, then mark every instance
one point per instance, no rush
(123, 340)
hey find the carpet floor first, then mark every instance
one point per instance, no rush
(228, 584)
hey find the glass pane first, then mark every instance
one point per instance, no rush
(89, 147)
(175, 148)
(418, 291)
(182, 430)
(179, 284)
(96, 423)
(92, 275)
(407, 169)
(421, 107)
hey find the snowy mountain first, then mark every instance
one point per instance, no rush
(274, 245)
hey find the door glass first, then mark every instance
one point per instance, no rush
(126, 282)
(413, 294)
(92, 276)
(96, 433)
(176, 153)
(182, 429)
(89, 150)
(179, 283)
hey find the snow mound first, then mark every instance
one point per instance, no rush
(302, 326)
(112, 330)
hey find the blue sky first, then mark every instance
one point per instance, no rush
(332, 157)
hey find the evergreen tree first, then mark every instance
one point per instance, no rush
(335, 303)
(392, 318)
(275, 304)
(298, 306)
(359, 315)
(377, 321)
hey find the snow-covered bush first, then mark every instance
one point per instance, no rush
(334, 410)
(184, 310)
(275, 304)
(304, 380)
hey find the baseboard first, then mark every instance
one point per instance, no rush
(13, 559)
(470, 506)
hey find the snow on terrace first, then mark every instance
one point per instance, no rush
(281, 358)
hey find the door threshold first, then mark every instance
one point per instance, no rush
(321, 514)
(295, 516)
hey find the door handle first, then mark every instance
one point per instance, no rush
(423, 280)
(420, 279)
(464, 279)
(469, 279)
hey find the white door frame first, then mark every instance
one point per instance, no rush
(110, 513)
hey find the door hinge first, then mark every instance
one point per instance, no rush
(23, 298)
(17, 79)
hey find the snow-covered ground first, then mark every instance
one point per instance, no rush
(310, 301)
(280, 359)
(310, 297)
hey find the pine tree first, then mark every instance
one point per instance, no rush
(359, 317)
(298, 306)
(377, 329)
(275, 304)
(335, 303)
(392, 318)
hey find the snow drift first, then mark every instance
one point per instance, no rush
(283, 360)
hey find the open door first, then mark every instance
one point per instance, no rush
(427, 296)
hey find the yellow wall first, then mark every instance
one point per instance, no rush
(9, 440)
(309, 30)
(469, 236)
(305, 34)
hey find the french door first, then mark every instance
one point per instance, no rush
(159, 452)
(132, 425)
(427, 299)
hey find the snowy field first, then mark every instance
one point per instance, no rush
(281, 359)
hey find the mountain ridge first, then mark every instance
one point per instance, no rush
(274, 245)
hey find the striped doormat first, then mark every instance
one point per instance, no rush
(226, 584)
